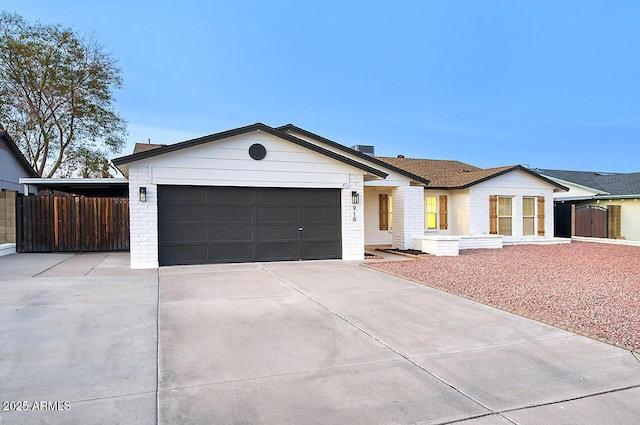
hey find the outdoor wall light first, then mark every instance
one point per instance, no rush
(143, 194)
(355, 197)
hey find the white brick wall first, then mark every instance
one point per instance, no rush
(143, 220)
(408, 217)
(459, 212)
(517, 185)
(353, 220)
(441, 245)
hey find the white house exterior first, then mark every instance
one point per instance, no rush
(224, 161)
(253, 193)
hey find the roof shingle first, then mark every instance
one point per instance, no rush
(443, 173)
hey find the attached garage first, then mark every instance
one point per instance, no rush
(250, 194)
(201, 225)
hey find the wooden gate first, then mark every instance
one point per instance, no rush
(591, 221)
(72, 224)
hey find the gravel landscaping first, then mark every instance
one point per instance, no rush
(589, 288)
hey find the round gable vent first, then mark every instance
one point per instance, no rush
(257, 151)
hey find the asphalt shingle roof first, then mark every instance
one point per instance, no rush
(143, 147)
(443, 173)
(611, 183)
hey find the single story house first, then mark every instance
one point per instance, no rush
(259, 193)
(597, 204)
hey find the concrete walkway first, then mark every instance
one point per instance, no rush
(326, 342)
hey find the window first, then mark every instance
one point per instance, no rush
(528, 216)
(385, 211)
(504, 216)
(431, 212)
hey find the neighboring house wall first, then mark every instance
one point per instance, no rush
(226, 163)
(575, 191)
(7, 217)
(629, 216)
(516, 184)
(10, 169)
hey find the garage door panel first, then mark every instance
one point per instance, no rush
(328, 231)
(183, 254)
(277, 197)
(321, 213)
(232, 253)
(274, 233)
(233, 233)
(170, 233)
(194, 213)
(247, 224)
(231, 195)
(182, 195)
(278, 251)
(232, 214)
(320, 196)
(279, 214)
(320, 250)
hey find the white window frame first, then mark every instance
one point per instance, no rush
(499, 216)
(436, 213)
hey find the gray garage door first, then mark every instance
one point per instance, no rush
(201, 225)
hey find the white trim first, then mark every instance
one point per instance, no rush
(74, 181)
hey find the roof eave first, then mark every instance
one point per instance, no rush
(617, 196)
(373, 159)
(18, 154)
(123, 161)
(514, 168)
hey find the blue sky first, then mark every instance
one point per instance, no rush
(550, 84)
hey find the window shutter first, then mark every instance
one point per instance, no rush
(444, 217)
(614, 221)
(493, 214)
(540, 215)
(383, 209)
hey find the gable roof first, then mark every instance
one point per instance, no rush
(13, 148)
(446, 174)
(124, 160)
(375, 160)
(615, 184)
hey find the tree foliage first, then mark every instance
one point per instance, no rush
(56, 97)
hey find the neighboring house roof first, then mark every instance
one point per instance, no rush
(614, 184)
(445, 174)
(124, 160)
(6, 140)
(143, 147)
(375, 160)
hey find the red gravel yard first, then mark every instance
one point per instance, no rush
(590, 288)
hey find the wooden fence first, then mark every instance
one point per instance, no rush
(72, 224)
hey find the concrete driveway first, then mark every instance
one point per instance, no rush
(331, 342)
(80, 329)
(326, 342)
